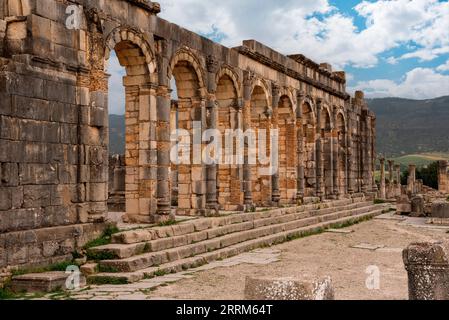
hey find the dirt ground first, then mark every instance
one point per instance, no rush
(328, 254)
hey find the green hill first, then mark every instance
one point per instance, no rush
(116, 134)
(411, 126)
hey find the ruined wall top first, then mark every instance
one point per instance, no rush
(153, 7)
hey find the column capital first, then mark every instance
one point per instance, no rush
(276, 89)
(300, 95)
(212, 64)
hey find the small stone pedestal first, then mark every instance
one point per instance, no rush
(43, 282)
(288, 289)
(428, 270)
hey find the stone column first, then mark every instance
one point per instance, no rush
(350, 179)
(276, 194)
(300, 183)
(383, 193)
(443, 177)
(163, 141)
(427, 265)
(319, 153)
(390, 187)
(336, 159)
(411, 180)
(212, 123)
(247, 185)
(398, 186)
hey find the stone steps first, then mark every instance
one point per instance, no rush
(149, 234)
(124, 251)
(243, 244)
(254, 231)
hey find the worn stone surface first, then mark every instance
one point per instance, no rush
(288, 289)
(54, 123)
(43, 282)
(427, 265)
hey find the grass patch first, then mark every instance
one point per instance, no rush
(105, 238)
(107, 280)
(379, 201)
(108, 269)
(160, 273)
(62, 266)
(167, 223)
(100, 256)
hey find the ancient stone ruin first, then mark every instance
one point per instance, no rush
(56, 175)
(427, 265)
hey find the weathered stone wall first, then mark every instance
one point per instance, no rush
(443, 176)
(54, 123)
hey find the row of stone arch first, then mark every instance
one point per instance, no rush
(312, 141)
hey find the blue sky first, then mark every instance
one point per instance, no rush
(387, 47)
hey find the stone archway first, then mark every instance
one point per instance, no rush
(229, 179)
(261, 120)
(189, 116)
(341, 154)
(287, 150)
(309, 131)
(327, 156)
(135, 56)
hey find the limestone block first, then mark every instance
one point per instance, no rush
(289, 289)
(418, 206)
(440, 209)
(43, 282)
(404, 205)
(427, 265)
(36, 196)
(9, 174)
(89, 269)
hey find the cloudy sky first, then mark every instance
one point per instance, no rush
(394, 48)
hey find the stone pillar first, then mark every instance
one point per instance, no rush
(350, 178)
(276, 194)
(163, 141)
(443, 177)
(427, 265)
(336, 166)
(212, 123)
(319, 153)
(411, 180)
(398, 186)
(247, 185)
(390, 187)
(383, 192)
(300, 183)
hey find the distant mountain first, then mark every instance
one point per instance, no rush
(411, 126)
(403, 126)
(116, 134)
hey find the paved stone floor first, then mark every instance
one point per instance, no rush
(346, 257)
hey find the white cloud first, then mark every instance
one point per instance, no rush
(444, 67)
(419, 83)
(316, 29)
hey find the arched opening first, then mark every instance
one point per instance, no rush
(287, 151)
(341, 154)
(309, 131)
(132, 172)
(260, 120)
(326, 135)
(229, 180)
(188, 176)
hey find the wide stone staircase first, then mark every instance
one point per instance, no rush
(149, 252)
